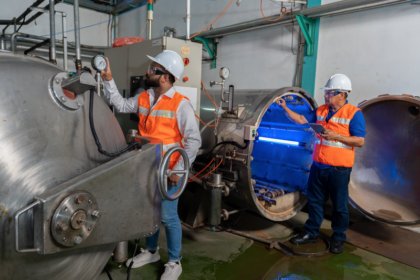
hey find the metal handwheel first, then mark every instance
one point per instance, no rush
(164, 173)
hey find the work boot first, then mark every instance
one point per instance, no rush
(143, 258)
(303, 238)
(172, 271)
(337, 247)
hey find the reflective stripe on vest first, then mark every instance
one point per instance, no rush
(167, 147)
(160, 121)
(340, 120)
(143, 110)
(163, 114)
(331, 152)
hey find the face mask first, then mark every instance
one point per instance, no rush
(151, 83)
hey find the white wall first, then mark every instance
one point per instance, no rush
(96, 35)
(377, 49)
(259, 59)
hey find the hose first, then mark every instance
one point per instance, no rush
(107, 272)
(236, 144)
(95, 136)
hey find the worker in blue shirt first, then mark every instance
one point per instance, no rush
(333, 158)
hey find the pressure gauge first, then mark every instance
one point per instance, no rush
(99, 63)
(224, 73)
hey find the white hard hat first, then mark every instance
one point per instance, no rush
(338, 82)
(171, 61)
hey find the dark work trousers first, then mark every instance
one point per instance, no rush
(324, 183)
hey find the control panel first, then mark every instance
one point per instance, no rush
(250, 132)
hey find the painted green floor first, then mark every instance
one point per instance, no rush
(211, 255)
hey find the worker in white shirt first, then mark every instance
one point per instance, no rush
(169, 116)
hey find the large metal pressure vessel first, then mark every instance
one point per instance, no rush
(270, 175)
(43, 144)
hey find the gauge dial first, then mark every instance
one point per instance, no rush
(224, 72)
(99, 63)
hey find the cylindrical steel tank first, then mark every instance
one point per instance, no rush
(42, 145)
(270, 175)
(385, 182)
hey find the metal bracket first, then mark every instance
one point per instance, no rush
(307, 26)
(212, 53)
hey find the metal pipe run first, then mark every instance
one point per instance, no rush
(314, 12)
(13, 40)
(52, 33)
(58, 52)
(77, 35)
(187, 19)
(64, 24)
(2, 44)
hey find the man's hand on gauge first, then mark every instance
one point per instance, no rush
(107, 75)
(282, 103)
(173, 180)
(328, 134)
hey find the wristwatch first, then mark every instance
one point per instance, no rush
(338, 137)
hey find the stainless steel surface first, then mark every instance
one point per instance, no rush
(164, 173)
(69, 101)
(75, 217)
(2, 44)
(283, 166)
(43, 146)
(120, 252)
(215, 188)
(64, 29)
(79, 83)
(135, 175)
(384, 183)
(77, 34)
(17, 215)
(53, 57)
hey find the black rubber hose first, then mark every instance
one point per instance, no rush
(236, 144)
(132, 260)
(107, 272)
(95, 136)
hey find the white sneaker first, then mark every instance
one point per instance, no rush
(143, 258)
(172, 271)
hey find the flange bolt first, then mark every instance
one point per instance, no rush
(77, 240)
(96, 214)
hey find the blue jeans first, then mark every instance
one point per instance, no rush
(170, 220)
(323, 183)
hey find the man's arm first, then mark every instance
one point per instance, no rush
(357, 132)
(110, 89)
(122, 104)
(299, 119)
(353, 141)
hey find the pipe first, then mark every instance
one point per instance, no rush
(3, 45)
(64, 24)
(170, 29)
(13, 40)
(187, 19)
(57, 52)
(150, 16)
(314, 12)
(230, 104)
(120, 252)
(77, 35)
(53, 58)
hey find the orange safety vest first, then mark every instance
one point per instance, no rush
(329, 151)
(161, 122)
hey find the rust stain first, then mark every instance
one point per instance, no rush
(1, 207)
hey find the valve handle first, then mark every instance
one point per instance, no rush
(164, 173)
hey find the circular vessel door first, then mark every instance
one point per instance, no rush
(384, 183)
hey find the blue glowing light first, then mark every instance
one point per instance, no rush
(287, 142)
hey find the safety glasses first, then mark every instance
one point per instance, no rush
(332, 92)
(155, 71)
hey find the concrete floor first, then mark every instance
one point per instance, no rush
(211, 255)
